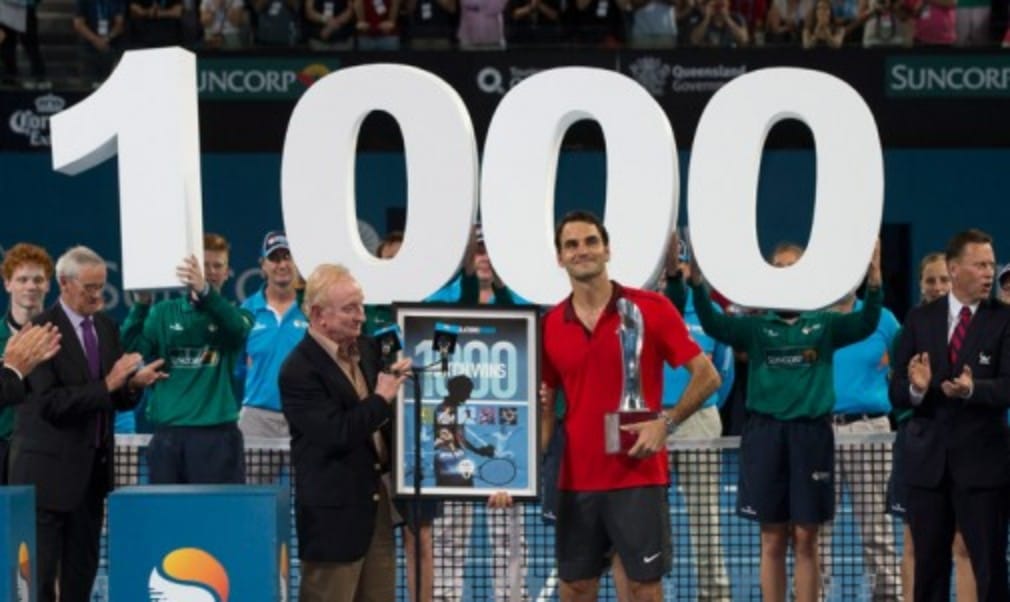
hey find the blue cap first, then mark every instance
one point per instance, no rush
(274, 240)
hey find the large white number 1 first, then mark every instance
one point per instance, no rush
(146, 113)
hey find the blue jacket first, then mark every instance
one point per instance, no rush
(675, 380)
(266, 348)
(861, 369)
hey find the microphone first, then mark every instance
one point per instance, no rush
(389, 340)
(444, 342)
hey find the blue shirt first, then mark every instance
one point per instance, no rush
(452, 292)
(266, 348)
(675, 379)
(861, 369)
(126, 423)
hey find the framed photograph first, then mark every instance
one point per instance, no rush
(475, 430)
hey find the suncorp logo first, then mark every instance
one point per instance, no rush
(188, 575)
(948, 76)
(24, 574)
(258, 79)
(312, 74)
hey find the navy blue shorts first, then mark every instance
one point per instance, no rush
(897, 490)
(196, 455)
(787, 471)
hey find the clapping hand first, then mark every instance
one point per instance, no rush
(121, 371)
(31, 346)
(919, 372)
(960, 387)
(148, 375)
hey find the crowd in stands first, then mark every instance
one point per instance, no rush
(107, 27)
(497, 24)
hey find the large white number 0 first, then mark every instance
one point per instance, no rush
(722, 188)
(146, 114)
(317, 177)
(519, 169)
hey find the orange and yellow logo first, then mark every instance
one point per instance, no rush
(312, 73)
(284, 572)
(24, 574)
(189, 575)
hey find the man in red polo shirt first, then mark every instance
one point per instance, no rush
(612, 504)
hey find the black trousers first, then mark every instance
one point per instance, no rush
(981, 514)
(5, 446)
(29, 41)
(68, 542)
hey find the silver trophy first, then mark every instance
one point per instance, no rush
(632, 408)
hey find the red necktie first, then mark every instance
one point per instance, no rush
(957, 339)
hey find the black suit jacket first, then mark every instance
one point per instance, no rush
(337, 470)
(967, 437)
(12, 389)
(54, 442)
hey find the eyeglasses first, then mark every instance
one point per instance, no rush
(93, 288)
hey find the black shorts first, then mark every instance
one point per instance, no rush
(593, 525)
(787, 471)
(897, 490)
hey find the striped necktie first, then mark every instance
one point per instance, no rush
(957, 339)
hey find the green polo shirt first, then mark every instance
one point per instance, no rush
(789, 365)
(200, 344)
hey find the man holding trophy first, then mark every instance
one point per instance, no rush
(605, 346)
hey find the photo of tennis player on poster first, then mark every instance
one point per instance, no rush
(478, 421)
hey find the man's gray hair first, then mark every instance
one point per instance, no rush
(69, 265)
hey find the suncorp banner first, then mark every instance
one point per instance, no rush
(948, 76)
(260, 78)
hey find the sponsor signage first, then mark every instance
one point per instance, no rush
(32, 122)
(260, 78)
(950, 76)
(958, 93)
(17, 544)
(661, 77)
(200, 548)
